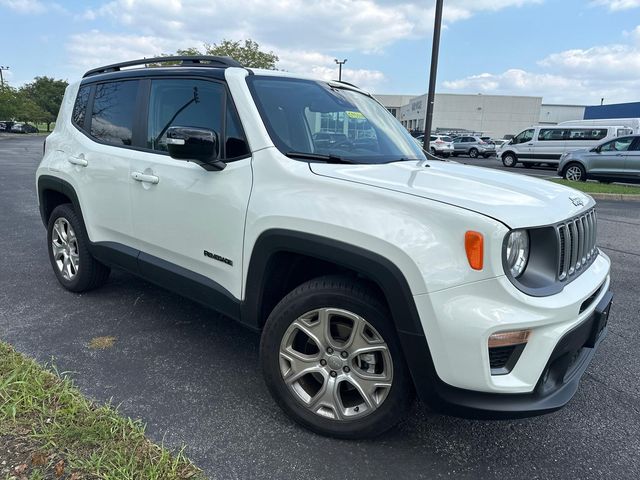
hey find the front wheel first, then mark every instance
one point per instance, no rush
(332, 361)
(575, 173)
(509, 160)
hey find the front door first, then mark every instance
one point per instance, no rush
(632, 162)
(191, 218)
(609, 160)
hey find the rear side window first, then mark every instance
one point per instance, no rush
(80, 107)
(586, 133)
(548, 134)
(113, 112)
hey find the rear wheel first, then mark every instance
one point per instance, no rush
(332, 361)
(473, 153)
(575, 172)
(74, 266)
(509, 160)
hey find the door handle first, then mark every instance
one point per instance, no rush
(143, 177)
(80, 161)
(530, 144)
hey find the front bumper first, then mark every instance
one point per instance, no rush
(557, 385)
(455, 374)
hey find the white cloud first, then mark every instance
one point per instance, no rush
(306, 34)
(368, 25)
(615, 5)
(575, 75)
(24, 6)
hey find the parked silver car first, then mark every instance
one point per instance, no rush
(612, 160)
(473, 146)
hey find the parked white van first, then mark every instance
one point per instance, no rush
(546, 144)
(632, 123)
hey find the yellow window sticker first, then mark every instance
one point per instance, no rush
(351, 114)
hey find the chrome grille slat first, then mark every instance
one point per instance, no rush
(576, 244)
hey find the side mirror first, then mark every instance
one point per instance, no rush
(198, 145)
(596, 149)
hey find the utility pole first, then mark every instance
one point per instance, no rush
(2, 67)
(602, 101)
(340, 63)
(437, 24)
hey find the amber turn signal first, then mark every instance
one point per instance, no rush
(474, 245)
(505, 339)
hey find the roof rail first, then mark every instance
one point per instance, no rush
(200, 60)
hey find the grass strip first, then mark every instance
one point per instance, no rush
(44, 409)
(598, 187)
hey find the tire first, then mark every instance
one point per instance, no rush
(73, 265)
(433, 151)
(575, 172)
(338, 301)
(473, 153)
(509, 160)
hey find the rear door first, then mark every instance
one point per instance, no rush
(98, 159)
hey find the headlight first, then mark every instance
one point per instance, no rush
(517, 252)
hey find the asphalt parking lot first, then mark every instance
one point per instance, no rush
(192, 375)
(542, 171)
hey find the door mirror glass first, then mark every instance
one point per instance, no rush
(198, 145)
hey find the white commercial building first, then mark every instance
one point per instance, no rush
(491, 115)
(554, 114)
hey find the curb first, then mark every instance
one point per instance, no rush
(621, 197)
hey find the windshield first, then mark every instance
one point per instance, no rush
(310, 117)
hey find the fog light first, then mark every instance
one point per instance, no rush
(505, 339)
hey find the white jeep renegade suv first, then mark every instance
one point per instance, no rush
(371, 271)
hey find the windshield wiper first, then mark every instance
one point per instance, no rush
(318, 156)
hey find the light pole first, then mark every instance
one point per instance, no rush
(432, 76)
(340, 63)
(2, 67)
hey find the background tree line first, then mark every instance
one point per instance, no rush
(35, 102)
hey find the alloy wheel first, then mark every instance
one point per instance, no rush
(64, 244)
(574, 173)
(336, 364)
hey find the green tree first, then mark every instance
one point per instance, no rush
(8, 102)
(29, 111)
(248, 53)
(47, 94)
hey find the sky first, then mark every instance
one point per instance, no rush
(567, 51)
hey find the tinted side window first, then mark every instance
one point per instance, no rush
(547, 134)
(80, 107)
(617, 145)
(586, 133)
(113, 112)
(183, 102)
(523, 137)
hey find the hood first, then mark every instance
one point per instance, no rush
(511, 198)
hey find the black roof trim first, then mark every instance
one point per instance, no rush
(185, 60)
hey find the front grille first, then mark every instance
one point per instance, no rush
(576, 244)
